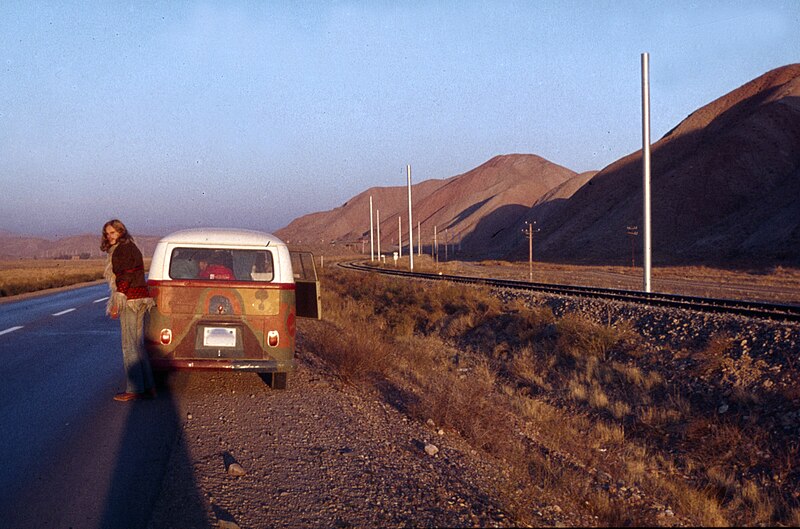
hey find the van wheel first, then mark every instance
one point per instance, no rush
(278, 381)
(274, 380)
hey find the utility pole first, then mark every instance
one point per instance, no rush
(378, 220)
(419, 238)
(371, 238)
(529, 231)
(646, 165)
(410, 224)
(399, 237)
(530, 252)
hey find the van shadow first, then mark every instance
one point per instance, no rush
(153, 458)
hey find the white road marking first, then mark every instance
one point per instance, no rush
(99, 300)
(11, 329)
(63, 312)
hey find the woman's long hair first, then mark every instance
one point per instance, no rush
(124, 236)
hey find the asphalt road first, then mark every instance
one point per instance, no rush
(71, 456)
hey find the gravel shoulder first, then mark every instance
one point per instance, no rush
(320, 454)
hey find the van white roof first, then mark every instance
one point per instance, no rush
(222, 236)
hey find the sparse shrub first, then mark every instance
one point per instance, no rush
(710, 359)
(636, 469)
(456, 325)
(610, 513)
(598, 397)
(535, 410)
(545, 473)
(355, 356)
(528, 368)
(701, 505)
(742, 372)
(609, 434)
(581, 337)
(577, 391)
(489, 371)
(620, 409)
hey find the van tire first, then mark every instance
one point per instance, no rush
(278, 381)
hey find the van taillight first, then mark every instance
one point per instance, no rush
(272, 338)
(166, 336)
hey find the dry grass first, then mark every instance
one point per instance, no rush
(21, 276)
(31, 275)
(489, 371)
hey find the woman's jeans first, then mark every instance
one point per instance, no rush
(134, 357)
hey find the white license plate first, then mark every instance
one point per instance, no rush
(219, 337)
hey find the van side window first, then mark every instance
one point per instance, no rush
(220, 264)
(303, 266)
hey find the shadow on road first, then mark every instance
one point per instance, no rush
(152, 457)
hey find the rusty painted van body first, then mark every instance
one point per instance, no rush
(226, 299)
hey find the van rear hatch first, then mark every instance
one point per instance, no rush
(231, 319)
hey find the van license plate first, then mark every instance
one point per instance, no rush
(219, 337)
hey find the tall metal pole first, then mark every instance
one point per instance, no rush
(419, 238)
(410, 224)
(399, 236)
(646, 165)
(371, 237)
(378, 219)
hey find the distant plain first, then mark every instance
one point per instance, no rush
(21, 276)
(776, 284)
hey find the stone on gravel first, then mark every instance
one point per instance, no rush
(431, 450)
(236, 470)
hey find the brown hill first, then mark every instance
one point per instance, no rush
(349, 223)
(539, 215)
(725, 184)
(472, 208)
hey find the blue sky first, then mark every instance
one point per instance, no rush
(250, 114)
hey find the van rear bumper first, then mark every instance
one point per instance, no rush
(259, 366)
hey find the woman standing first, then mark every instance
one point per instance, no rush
(129, 301)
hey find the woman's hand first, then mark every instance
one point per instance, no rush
(116, 303)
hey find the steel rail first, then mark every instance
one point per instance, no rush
(772, 311)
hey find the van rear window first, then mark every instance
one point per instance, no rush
(221, 264)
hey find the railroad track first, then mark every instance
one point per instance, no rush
(751, 309)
